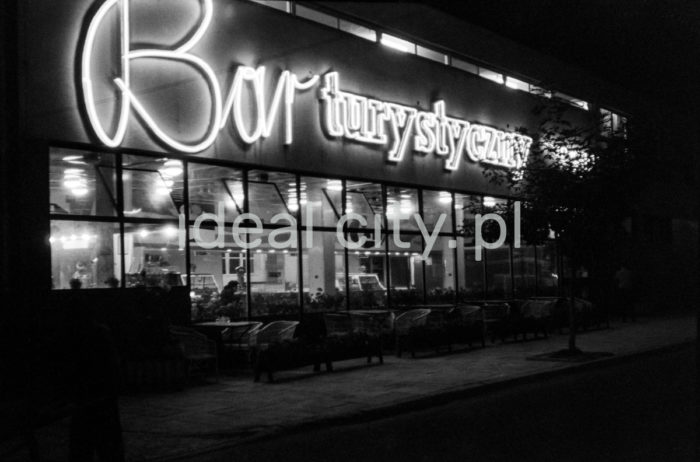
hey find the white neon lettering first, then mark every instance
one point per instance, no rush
(373, 121)
(262, 125)
(347, 115)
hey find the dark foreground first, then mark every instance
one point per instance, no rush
(643, 409)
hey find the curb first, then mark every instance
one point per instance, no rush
(420, 403)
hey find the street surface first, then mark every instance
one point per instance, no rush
(642, 409)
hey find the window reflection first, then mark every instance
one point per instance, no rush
(401, 204)
(323, 197)
(324, 272)
(274, 275)
(365, 199)
(153, 188)
(84, 251)
(367, 278)
(406, 271)
(271, 193)
(212, 186)
(439, 272)
(82, 183)
(153, 255)
(436, 204)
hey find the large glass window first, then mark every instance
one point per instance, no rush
(406, 267)
(274, 274)
(272, 193)
(211, 187)
(547, 274)
(401, 205)
(435, 205)
(154, 255)
(498, 265)
(524, 271)
(323, 198)
(323, 271)
(82, 183)
(365, 199)
(86, 253)
(91, 204)
(152, 187)
(471, 272)
(439, 271)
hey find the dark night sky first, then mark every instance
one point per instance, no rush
(649, 45)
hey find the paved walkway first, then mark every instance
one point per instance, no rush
(211, 415)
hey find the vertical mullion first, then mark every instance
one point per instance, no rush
(510, 217)
(455, 262)
(343, 208)
(248, 293)
(422, 240)
(186, 197)
(389, 284)
(300, 263)
(120, 216)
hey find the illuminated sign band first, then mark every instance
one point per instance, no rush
(366, 120)
(347, 115)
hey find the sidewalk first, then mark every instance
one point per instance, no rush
(212, 415)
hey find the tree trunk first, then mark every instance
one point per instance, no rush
(572, 308)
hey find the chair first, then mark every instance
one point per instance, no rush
(273, 347)
(404, 323)
(236, 339)
(274, 332)
(198, 351)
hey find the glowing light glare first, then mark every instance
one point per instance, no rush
(444, 197)
(489, 201)
(396, 43)
(334, 185)
(171, 168)
(144, 233)
(169, 231)
(287, 84)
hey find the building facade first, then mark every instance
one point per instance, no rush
(199, 143)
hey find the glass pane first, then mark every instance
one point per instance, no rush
(466, 207)
(436, 204)
(274, 275)
(524, 278)
(367, 278)
(406, 271)
(217, 282)
(212, 186)
(547, 277)
(356, 29)
(84, 251)
(324, 198)
(154, 255)
(471, 272)
(439, 272)
(271, 193)
(324, 272)
(401, 204)
(152, 187)
(365, 199)
(82, 183)
(498, 280)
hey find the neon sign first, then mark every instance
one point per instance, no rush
(365, 120)
(346, 115)
(233, 105)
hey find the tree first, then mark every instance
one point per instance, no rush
(579, 184)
